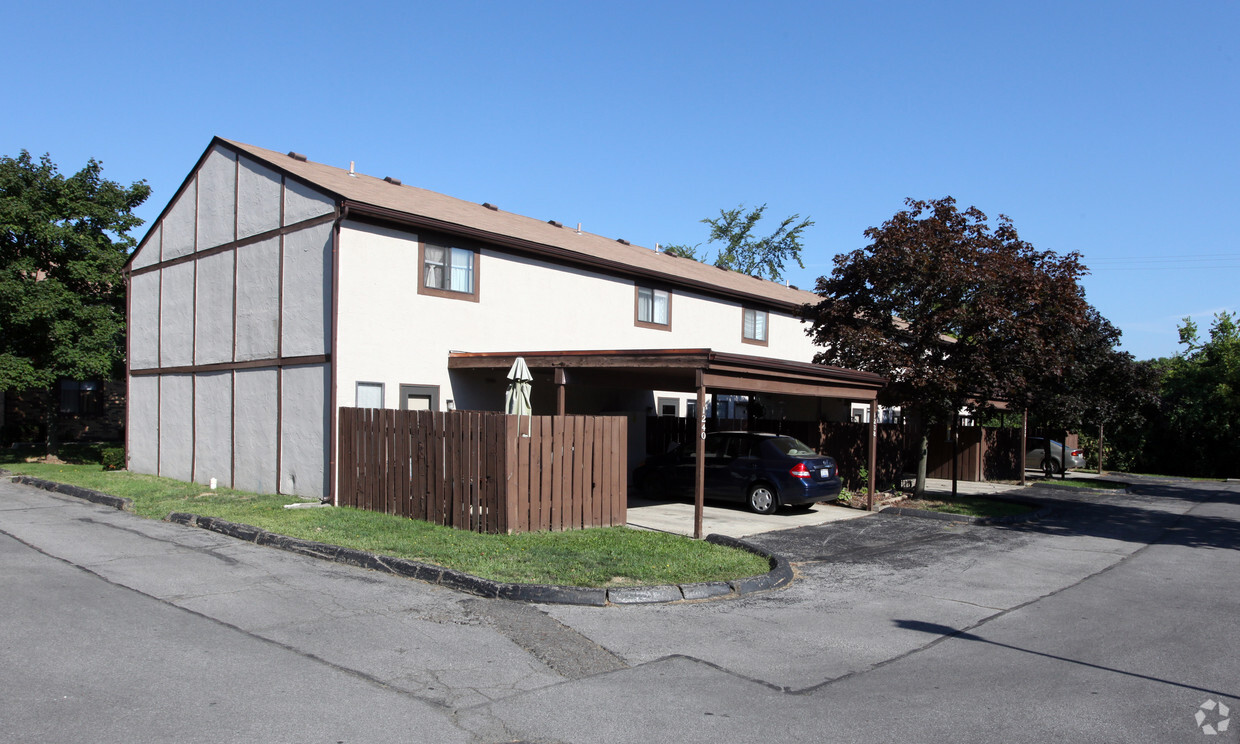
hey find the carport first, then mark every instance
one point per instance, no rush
(699, 371)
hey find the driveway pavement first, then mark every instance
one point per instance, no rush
(1113, 619)
(734, 520)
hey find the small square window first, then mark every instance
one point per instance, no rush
(753, 327)
(654, 308)
(669, 406)
(370, 395)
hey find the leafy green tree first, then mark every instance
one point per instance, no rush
(741, 250)
(63, 241)
(1201, 403)
(956, 313)
(1100, 386)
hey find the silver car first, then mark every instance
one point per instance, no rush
(1036, 457)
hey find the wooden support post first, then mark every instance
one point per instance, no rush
(1100, 448)
(1024, 437)
(699, 476)
(955, 435)
(560, 381)
(873, 459)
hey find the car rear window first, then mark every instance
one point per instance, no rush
(793, 447)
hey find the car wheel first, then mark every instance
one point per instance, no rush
(1052, 466)
(761, 499)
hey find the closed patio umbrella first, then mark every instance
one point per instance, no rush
(517, 398)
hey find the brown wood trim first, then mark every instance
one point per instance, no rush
(128, 280)
(563, 255)
(232, 431)
(159, 317)
(159, 410)
(193, 428)
(449, 243)
(280, 300)
(236, 157)
(233, 352)
(298, 361)
(279, 424)
(193, 310)
(699, 467)
(726, 383)
(766, 324)
(637, 306)
(260, 237)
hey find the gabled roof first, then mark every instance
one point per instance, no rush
(366, 195)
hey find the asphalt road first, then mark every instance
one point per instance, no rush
(1114, 619)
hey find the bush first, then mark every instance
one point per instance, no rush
(112, 458)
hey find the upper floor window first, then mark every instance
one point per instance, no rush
(753, 327)
(449, 271)
(654, 308)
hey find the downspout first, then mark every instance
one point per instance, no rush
(333, 416)
(127, 278)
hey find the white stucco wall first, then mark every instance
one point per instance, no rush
(390, 333)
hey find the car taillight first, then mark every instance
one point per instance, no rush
(1077, 453)
(800, 471)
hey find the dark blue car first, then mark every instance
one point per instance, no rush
(765, 471)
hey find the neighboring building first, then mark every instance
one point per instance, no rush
(87, 411)
(272, 290)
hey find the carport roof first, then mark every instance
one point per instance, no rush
(678, 370)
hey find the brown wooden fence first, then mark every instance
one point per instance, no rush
(479, 471)
(986, 453)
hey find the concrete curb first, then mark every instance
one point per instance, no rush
(779, 576)
(1045, 510)
(98, 497)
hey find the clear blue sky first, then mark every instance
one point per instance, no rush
(1108, 128)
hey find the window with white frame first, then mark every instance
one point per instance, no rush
(669, 406)
(654, 308)
(753, 326)
(370, 395)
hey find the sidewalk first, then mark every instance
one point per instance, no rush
(732, 520)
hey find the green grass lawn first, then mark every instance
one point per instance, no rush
(969, 506)
(613, 556)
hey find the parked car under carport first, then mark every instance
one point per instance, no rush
(764, 471)
(1035, 456)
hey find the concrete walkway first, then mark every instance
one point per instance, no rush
(734, 520)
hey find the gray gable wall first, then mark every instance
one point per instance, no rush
(230, 331)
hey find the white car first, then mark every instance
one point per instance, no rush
(1035, 457)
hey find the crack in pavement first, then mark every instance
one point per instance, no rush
(566, 651)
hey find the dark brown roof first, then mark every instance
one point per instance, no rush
(380, 198)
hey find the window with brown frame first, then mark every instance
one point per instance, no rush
(449, 269)
(654, 308)
(754, 326)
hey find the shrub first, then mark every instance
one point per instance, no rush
(112, 458)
